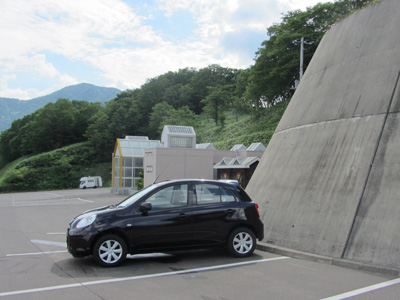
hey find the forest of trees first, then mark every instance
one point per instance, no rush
(179, 97)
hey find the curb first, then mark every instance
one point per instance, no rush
(326, 260)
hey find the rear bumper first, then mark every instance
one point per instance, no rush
(260, 231)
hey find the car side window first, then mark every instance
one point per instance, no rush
(210, 193)
(169, 197)
(226, 196)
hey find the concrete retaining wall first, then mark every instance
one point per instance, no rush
(329, 181)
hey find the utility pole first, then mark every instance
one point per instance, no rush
(301, 57)
(297, 82)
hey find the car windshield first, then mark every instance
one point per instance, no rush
(132, 199)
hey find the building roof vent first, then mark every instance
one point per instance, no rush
(185, 130)
(256, 147)
(205, 146)
(136, 138)
(239, 147)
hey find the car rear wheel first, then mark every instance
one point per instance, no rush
(110, 251)
(241, 242)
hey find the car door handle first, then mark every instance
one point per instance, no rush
(230, 211)
(183, 216)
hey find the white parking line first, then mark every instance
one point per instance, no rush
(53, 194)
(364, 290)
(64, 245)
(36, 253)
(84, 200)
(51, 243)
(45, 202)
(88, 283)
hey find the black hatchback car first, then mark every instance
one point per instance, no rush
(171, 215)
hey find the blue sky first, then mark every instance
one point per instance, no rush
(50, 44)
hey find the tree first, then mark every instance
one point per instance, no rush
(98, 135)
(84, 112)
(182, 117)
(211, 76)
(11, 139)
(277, 62)
(55, 125)
(119, 118)
(216, 101)
(157, 117)
(239, 100)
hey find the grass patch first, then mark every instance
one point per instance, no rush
(10, 166)
(58, 169)
(247, 129)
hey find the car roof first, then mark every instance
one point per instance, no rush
(227, 182)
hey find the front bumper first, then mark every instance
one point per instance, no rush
(78, 245)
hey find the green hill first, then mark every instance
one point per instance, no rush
(62, 168)
(58, 169)
(249, 128)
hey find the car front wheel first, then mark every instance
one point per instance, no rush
(241, 242)
(110, 251)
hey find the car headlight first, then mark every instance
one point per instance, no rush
(86, 221)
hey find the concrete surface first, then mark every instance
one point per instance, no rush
(328, 183)
(34, 263)
(345, 263)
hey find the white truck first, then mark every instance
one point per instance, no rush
(90, 182)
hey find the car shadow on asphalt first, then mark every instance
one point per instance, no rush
(144, 264)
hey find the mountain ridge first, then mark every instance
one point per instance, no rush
(12, 109)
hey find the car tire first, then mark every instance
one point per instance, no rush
(242, 242)
(110, 251)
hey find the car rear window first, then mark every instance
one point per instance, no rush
(243, 195)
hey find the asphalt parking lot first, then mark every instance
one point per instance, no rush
(34, 263)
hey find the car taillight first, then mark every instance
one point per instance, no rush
(257, 209)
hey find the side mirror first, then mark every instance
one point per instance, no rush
(145, 207)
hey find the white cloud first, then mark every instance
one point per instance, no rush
(37, 67)
(113, 38)
(287, 5)
(78, 30)
(74, 28)
(15, 93)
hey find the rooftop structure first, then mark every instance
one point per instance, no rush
(239, 168)
(174, 136)
(238, 147)
(205, 146)
(238, 162)
(256, 147)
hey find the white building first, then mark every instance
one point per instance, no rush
(178, 156)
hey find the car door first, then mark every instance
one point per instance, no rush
(168, 224)
(214, 213)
